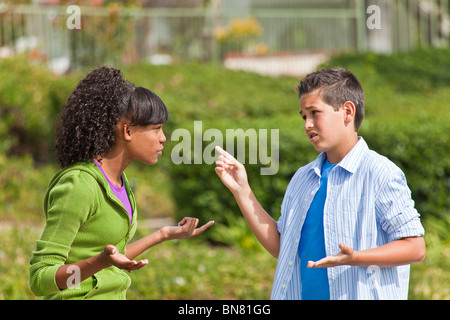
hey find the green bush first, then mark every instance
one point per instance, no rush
(408, 126)
(413, 72)
(419, 146)
(204, 92)
(22, 189)
(30, 99)
(199, 192)
(404, 123)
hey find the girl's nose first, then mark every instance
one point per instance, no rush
(162, 138)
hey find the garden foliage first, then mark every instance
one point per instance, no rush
(407, 120)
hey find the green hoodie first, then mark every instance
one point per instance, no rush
(82, 217)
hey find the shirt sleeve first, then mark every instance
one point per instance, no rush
(395, 208)
(69, 204)
(281, 222)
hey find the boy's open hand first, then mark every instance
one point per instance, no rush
(399, 252)
(344, 257)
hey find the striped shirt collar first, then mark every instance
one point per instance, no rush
(350, 162)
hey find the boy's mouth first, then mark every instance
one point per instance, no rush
(312, 136)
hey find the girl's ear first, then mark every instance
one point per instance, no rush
(127, 132)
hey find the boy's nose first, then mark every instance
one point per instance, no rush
(308, 124)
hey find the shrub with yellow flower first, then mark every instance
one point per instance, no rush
(241, 34)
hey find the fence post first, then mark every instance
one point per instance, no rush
(361, 41)
(216, 17)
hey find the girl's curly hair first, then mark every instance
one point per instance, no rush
(88, 120)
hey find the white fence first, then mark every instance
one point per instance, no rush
(162, 35)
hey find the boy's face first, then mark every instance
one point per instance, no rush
(328, 130)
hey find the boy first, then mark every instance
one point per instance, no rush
(348, 228)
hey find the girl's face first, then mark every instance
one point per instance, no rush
(145, 143)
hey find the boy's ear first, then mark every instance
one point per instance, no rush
(349, 112)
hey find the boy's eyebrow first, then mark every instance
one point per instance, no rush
(306, 108)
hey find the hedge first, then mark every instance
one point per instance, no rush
(407, 120)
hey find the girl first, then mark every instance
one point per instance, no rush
(90, 209)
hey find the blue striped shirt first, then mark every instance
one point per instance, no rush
(368, 204)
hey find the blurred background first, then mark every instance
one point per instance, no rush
(231, 64)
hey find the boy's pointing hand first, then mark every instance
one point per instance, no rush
(230, 171)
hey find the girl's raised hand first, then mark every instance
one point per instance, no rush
(186, 228)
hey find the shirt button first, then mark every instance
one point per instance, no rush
(290, 263)
(312, 193)
(283, 286)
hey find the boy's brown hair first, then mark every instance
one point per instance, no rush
(336, 86)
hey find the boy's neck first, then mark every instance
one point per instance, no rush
(338, 153)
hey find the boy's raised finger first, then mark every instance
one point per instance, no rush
(224, 153)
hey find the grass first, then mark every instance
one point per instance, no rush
(189, 269)
(192, 269)
(18, 241)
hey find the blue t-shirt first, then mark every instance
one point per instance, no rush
(312, 244)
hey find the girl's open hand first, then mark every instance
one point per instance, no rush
(186, 228)
(114, 257)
